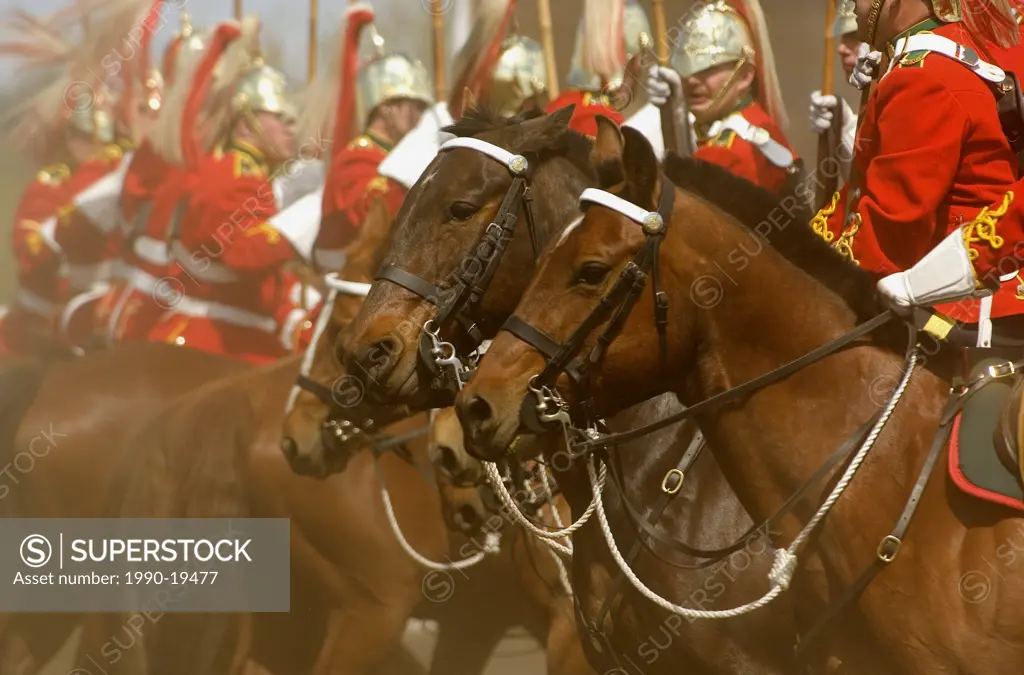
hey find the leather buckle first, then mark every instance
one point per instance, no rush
(889, 548)
(1001, 370)
(670, 486)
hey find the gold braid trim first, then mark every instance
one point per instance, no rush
(819, 223)
(844, 246)
(983, 227)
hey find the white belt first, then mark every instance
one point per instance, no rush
(204, 309)
(774, 152)
(34, 304)
(152, 251)
(930, 42)
(82, 277)
(212, 272)
(143, 281)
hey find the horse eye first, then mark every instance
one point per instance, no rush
(592, 274)
(462, 210)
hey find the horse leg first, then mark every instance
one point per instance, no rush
(359, 638)
(465, 652)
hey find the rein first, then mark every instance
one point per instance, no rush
(472, 275)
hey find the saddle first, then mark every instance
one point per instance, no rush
(985, 445)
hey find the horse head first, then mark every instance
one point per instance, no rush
(328, 418)
(463, 249)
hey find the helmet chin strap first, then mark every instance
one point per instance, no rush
(876, 9)
(719, 95)
(274, 152)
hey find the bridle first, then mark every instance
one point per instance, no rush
(339, 426)
(615, 308)
(459, 300)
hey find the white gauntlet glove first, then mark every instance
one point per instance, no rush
(661, 83)
(867, 65)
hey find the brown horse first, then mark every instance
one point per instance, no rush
(923, 612)
(440, 229)
(65, 434)
(214, 452)
(463, 491)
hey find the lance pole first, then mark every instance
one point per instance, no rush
(314, 39)
(828, 141)
(437, 14)
(548, 43)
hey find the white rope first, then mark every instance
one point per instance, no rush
(491, 543)
(858, 459)
(785, 561)
(499, 488)
(563, 574)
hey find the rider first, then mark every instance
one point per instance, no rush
(844, 30)
(72, 126)
(394, 91)
(230, 256)
(931, 154)
(144, 252)
(725, 68)
(600, 63)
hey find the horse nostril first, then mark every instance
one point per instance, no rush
(289, 447)
(479, 409)
(379, 357)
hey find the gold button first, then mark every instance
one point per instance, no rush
(180, 340)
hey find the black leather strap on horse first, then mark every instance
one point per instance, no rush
(749, 386)
(323, 393)
(712, 556)
(890, 545)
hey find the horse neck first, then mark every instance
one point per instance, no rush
(770, 442)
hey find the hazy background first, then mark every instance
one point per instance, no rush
(796, 28)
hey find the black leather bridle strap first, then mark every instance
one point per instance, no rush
(410, 282)
(323, 393)
(736, 392)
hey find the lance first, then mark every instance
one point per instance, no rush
(548, 43)
(828, 142)
(437, 14)
(314, 41)
(675, 119)
(238, 10)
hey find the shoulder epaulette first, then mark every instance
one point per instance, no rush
(55, 174)
(377, 185)
(245, 165)
(723, 138)
(110, 153)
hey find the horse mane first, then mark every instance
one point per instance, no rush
(770, 218)
(481, 118)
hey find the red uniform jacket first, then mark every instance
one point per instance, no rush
(82, 243)
(38, 259)
(352, 182)
(929, 155)
(725, 148)
(588, 107)
(230, 259)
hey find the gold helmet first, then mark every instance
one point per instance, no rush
(391, 76)
(92, 113)
(186, 45)
(263, 89)
(732, 31)
(846, 18)
(518, 76)
(610, 33)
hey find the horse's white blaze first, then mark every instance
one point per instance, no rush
(568, 230)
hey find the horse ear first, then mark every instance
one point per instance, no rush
(641, 165)
(606, 156)
(545, 133)
(468, 99)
